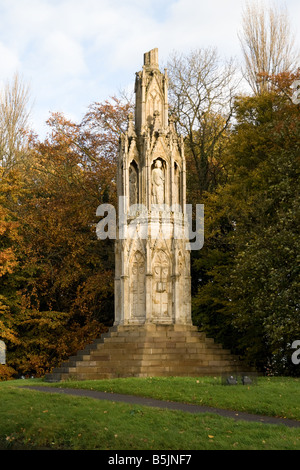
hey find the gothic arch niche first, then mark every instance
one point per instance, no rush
(180, 268)
(180, 263)
(161, 307)
(137, 287)
(158, 181)
(154, 101)
(133, 183)
(176, 184)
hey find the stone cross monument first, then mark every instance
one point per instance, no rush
(152, 281)
(152, 333)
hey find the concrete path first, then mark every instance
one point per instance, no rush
(135, 400)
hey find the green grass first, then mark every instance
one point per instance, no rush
(34, 420)
(271, 396)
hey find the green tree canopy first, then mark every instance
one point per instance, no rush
(250, 265)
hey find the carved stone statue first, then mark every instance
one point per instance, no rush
(137, 300)
(158, 184)
(161, 272)
(132, 186)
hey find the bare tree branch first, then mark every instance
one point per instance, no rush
(14, 116)
(267, 44)
(202, 89)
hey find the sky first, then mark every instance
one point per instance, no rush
(73, 53)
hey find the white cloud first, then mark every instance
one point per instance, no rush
(74, 52)
(63, 55)
(9, 60)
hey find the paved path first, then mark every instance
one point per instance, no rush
(135, 400)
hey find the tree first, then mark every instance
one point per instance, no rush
(14, 116)
(265, 278)
(267, 44)
(10, 241)
(250, 274)
(64, 274)
(201, 98)
(13, 145)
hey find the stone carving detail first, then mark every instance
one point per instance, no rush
(181, 265)
(152, 282)
(137, 286)
(158, 183)
(153, 103)
(160, 291)
(176, 184)
(133, 185)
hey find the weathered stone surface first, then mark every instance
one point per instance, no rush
(153, 332)
(152, 282)
(139, 352)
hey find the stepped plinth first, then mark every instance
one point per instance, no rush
(145, 351)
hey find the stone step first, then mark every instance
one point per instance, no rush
(94, 374)
(53, 377)
(150, 359)
(140, 363)
(155, 336)
(164, 348)
(144, 351)
(148, 354)
(148, 371)
(149, 341)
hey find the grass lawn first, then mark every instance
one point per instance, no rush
(34, 420)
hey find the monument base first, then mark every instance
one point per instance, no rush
(148, 351)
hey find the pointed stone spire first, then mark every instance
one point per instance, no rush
(151, 89)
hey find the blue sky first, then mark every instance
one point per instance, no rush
(75, 52)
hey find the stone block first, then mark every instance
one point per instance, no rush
(156, 350)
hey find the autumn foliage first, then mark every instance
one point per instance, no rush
(57, 278)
